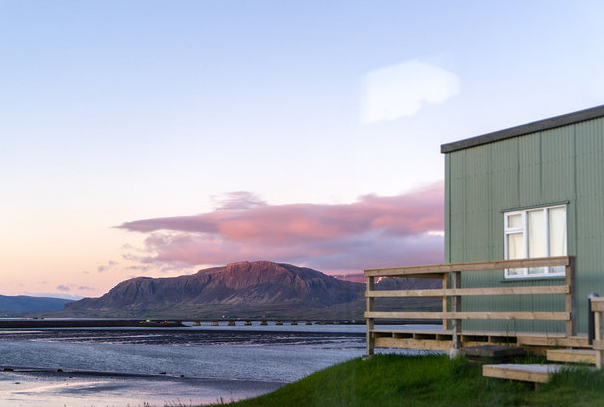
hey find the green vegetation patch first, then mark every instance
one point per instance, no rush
(574, 386)
(395, 380)
(432, 380)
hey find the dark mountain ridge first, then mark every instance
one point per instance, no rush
(243, 283)
(29, 303)
(244, 289)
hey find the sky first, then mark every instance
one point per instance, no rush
(157, 138)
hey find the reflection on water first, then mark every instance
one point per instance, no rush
(161, 366)
(48, 390)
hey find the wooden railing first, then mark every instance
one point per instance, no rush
(452, 293)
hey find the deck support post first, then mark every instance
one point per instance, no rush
(570, 300)
(370, 340)
(598, 337)
(456, 305)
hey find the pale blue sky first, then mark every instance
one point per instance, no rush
(115, 111)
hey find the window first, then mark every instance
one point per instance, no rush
(532, 233)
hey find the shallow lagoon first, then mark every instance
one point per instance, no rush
(192, 365)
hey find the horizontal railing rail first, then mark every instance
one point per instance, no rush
(471, 266)
(452, 293)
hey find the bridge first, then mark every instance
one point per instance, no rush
(32, 323)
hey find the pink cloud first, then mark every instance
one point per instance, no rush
(373, 232)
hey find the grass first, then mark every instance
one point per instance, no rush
(433, 380)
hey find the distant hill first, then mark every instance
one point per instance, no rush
(244, 289)
(27, 303)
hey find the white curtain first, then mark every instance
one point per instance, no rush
(557, 232)
(536, 234)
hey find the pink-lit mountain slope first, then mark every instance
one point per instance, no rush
(248, 289)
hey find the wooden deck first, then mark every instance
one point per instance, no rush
(443, 339)
(452, 336)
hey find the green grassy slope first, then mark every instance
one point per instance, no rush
(392, 380)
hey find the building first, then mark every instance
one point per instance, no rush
(535, 190)
(524, 240)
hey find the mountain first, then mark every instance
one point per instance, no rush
(246, 289)
(27, 303)
(236, 288)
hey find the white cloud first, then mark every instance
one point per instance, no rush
(400, 90)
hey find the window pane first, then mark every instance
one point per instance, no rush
(536, 234)
(515, 251)
(515, 272)
(557, 236)
(515, 221)
(537, 270)
(515, 246)
(557, 232)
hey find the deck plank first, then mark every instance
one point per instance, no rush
(572, 355)
(423, 338)
(527, 373)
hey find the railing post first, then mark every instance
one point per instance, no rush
(445, 285)
(594, 334)
(456, 305)
(598, 338)
(370, 339)
(590, 319)
(571, 302)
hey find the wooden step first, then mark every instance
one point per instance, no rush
(527, 373)
(572, 355)
(492, 353)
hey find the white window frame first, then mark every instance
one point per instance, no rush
(524, 229)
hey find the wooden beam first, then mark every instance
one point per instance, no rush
(522, 338)
(426, 344)
(409, 343)
(456, 308)
(597, 304)
(570, 299)
(472, 266)
(546, 316)
(527, 373)
(445, 286)
(598, 343)
(572, 355)
(436, 293)
(550, 340)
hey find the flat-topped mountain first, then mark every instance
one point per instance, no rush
(241, 285)
(244, 289)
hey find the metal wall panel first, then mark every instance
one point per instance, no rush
(589, 215)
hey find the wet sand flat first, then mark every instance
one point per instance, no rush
(44, 388)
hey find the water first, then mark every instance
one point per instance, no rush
(106, 367)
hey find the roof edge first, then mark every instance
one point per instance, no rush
(540, 125)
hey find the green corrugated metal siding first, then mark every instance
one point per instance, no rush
(564, 164)
(589, 221)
